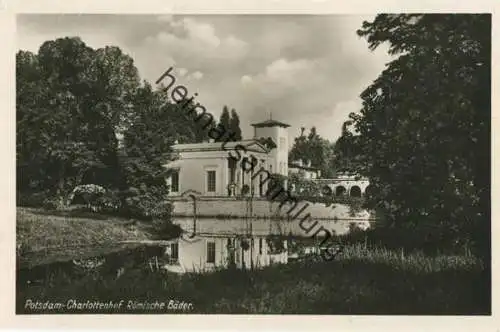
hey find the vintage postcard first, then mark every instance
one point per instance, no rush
(171, 164)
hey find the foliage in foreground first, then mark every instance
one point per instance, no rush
(360, 281)
(423, 133)
(83, 117)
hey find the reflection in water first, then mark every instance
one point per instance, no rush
(242, 244)
(214, 244)
(112, 264)
(211, 244)
(208, 252)
(263, 226)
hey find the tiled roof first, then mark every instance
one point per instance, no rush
(270, 123)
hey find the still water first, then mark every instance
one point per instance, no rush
(265, 226)
(205, 245)
(210, 244)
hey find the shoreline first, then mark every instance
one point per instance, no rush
(280, 218)
(220, 208)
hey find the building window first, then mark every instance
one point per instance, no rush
(231, 165)
(260, 246)
(211, 181)
(261, 185)
(210, 252)
(174, 186)
(174, 252)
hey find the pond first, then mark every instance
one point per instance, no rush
(205, 245)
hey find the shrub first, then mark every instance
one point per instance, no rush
(162, 221)
(35, 199)
(303, 187)
(91, 194)
(141, 205)
(277, 181)
(275, 244)
(110, 202)
(162, 210)
(50, 204)
(165, 229)
(245, 189)
(429, 239)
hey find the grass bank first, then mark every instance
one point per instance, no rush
(359, 281)
(43, 237)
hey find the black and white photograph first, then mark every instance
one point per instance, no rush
(258, 164)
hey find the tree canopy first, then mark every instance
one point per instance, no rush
(224, 123)
(234, 124)
(315, 149)
(229, 124)
(423, 133)
(71, 99)
(83, 116)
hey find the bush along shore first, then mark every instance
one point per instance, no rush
(361, 280)
(376, 272)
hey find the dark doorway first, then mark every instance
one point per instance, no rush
(355, 191)
(340, 191)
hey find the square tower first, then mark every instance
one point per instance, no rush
(278, 132)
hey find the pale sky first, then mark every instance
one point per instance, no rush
(307, 70)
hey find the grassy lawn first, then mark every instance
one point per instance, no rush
(44, 238)
(382, 282)
(361, 280)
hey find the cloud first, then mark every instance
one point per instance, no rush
(246, 80)
(332, 124)
(284, 71)
(195, 44)
(309, 70)
(197, 75)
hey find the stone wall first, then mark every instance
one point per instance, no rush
(259, 208)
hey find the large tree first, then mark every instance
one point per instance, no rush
(347, 153)
(224, 124)
(234, 125)
(315, 149)
(229, 125)
(424, 128)
(71, 102)
(147, 143)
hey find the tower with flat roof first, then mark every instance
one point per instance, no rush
(278, 132)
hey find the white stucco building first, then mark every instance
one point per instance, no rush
(223, 169)
(209, 168)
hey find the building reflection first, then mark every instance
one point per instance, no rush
(207, 252)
